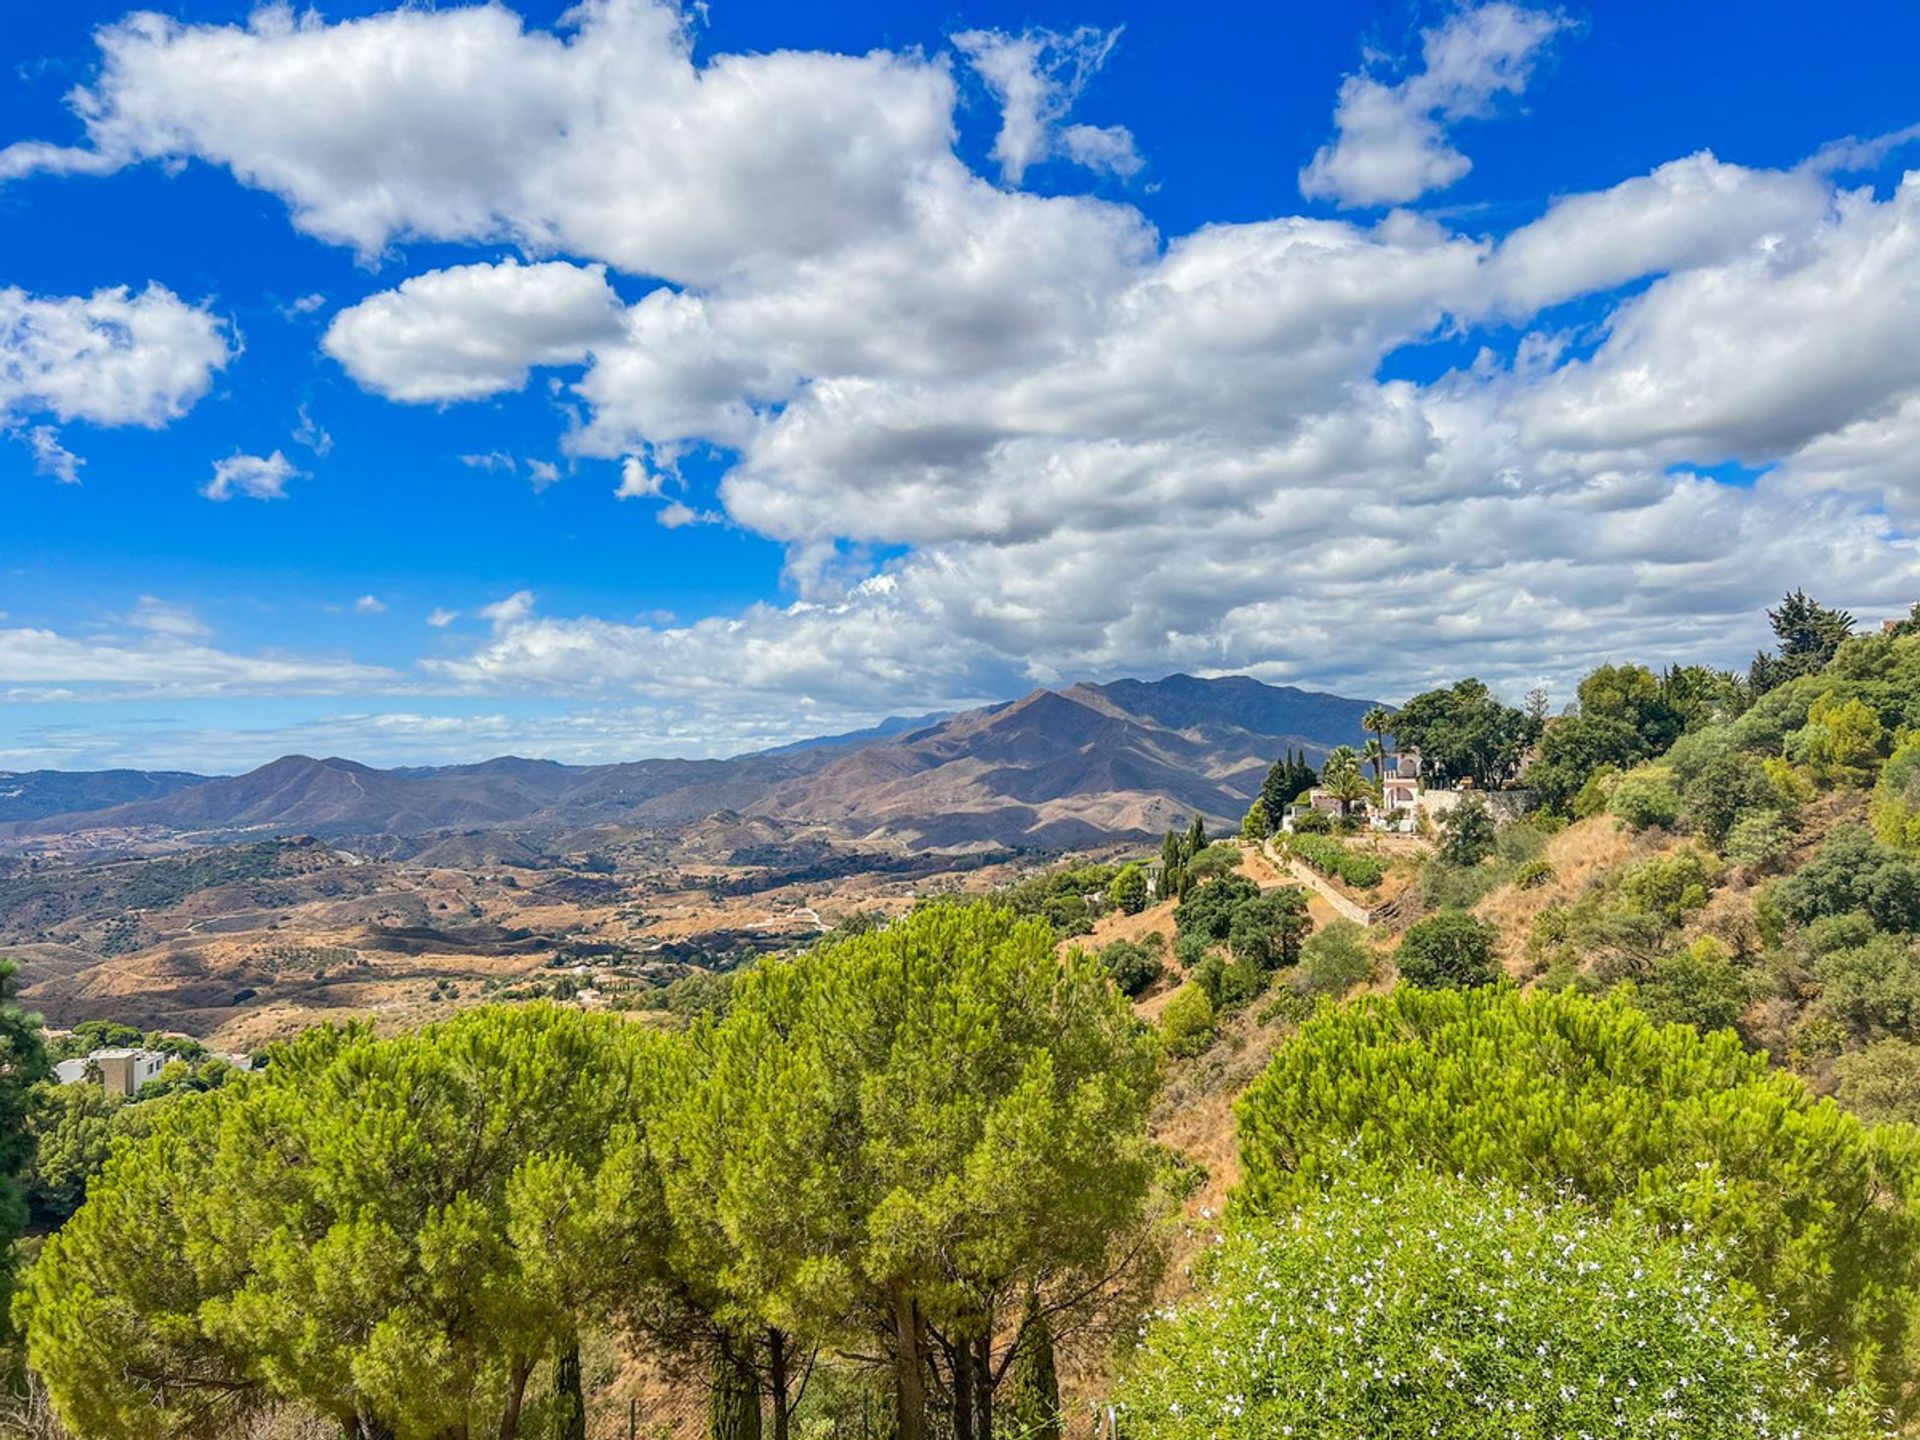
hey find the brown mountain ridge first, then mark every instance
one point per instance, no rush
(1054, 769)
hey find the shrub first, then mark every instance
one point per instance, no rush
(1646, 797)
(1690, 1128)
(1758, 837)
(1873, 987)
(1725, 789)
(1330, 857)
(1208, 908)
(1669, 886)
(1533, 874)
(1336, 959)
(1313, 822)
(1895, 807)
(1268, 929)
(1698, 986)
(1128, 893)
(1882, 1082)
(1841, 743)
(1448, 950)
(1186, 1025)
(1402, 1310)
(1229, 983)
(1134, 964)
(1851, 871)
(1467, 832)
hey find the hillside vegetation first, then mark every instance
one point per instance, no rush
(1603, 1124)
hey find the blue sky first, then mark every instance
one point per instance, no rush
(1037, 346)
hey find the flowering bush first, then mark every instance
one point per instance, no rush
(1425, 1307)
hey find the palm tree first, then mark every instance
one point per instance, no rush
(1376, 756)
(1378, 720)
(1342, 778)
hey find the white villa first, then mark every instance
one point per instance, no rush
(1400, 798)
(122, 1072)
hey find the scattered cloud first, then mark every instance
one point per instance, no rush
(1392, 143)
(370, 605)
(1037, 76)
(440, 617)
(509, 611)
(258, 477)
(115, 357)
(307, 433)
(168, 618)
(542, 473)
(1008, 438)
(493, 461)
(164, 652)
(474, 330)
(50, 457)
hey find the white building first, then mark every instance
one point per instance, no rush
(122, 1072)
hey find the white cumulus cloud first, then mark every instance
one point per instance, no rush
(474, 330)
(1392, 143)
(257, 477)
(115, 357)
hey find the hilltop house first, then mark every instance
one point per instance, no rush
(1400, 798)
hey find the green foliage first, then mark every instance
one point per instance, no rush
(1809, 636)
(23, 1065)
(1670, 887)
(1336, 958)
(1852, 872)
(1573, 749)
(1209, 908)
(1895, 807)
(1059, 896)
(1134, 965)
(91, 1035)
(1881, 1084)
(922, 1127)
(1211, 862)
(1646, 797)
(1451, 949)
(1033, 1404)
(1872, 986)
(73, 1129)
(387, 1231)
(1186, 1025)
(1818, 1210)
(1256, 825)
(1532, 874)
(1341, 778)
(1312, 822)
(1698, 986)
(1128, 893)
(1727, 789)
(1467, 832)
(1402, 1309)
(1758, 838)
(1841, 744)
(1287, 780)
(1230, 983)
(1330, 857)
(1463, 732)
(1268, 929)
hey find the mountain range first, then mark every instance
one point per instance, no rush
(1056, 768)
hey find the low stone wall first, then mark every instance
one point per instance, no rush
(1504, 804)
(1320, 885)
